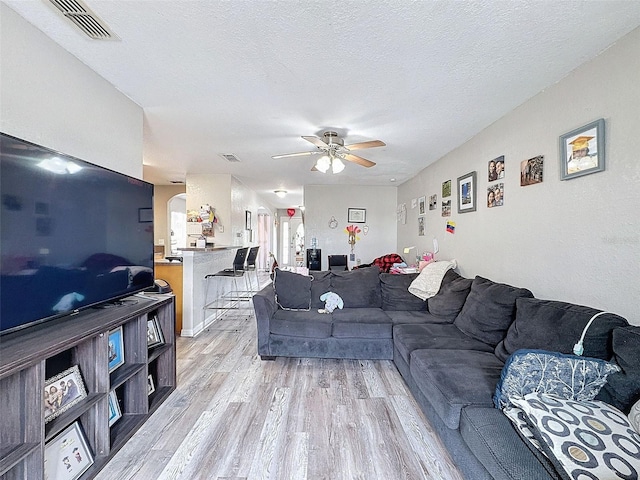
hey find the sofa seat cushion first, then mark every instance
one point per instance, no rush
(361, 323)
(454, 379)
(492, 439)
(408, 338)
(400, 317)
(450, 299)
(358, 288)
(489, 310)
(395, 293)
(301, 324)
(557, 326)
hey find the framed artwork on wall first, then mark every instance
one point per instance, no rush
(467, 193)
(422, 205)
(247, 220)
(582, 151)
(446, 189)
(356, 215)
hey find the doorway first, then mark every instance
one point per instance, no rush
(177, 222)
(292, 234)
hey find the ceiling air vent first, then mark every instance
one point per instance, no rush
(83, 18)
(230, 157)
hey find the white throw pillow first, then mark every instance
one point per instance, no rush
(634, 416)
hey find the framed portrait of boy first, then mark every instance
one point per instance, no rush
(116, 349)
(62, 392)
(68, 455)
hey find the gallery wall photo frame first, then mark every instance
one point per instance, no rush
(68, 455)
(116, 349)
(247, 219)
(422, 205)
(467, 195)
(582, 151)
(356, 215)
(62, 392)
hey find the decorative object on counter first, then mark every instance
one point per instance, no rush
(62, 392)
(352, 231)
(467, 193)
(582, 151)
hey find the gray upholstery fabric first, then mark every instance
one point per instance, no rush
(399, 317)
(622, 389)
(453, 379)
(361, 323)
(320, 283)
(492, 439)
(407, 338)
(264, 305)
(301, 324)
(293, 291)
(450, 299)
(395, 293)
(557, 326)
(489, 310)
(358, 288)
(356, 348)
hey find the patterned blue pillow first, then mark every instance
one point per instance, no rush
(567, 376)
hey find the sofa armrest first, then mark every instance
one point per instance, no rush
(264, 305)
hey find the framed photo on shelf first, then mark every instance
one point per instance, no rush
(62, 392)
(582, 151)
(154, 333)
(150, 385)
(116, 349)
(114, 408)
(467, 193)
(68, 455)
(356, 215)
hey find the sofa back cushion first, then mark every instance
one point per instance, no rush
(358, 288)
(450, 299)
(320, 283)
(395, 293)
(489, 309)
(557, 326)
(293, 291)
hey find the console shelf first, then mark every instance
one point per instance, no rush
(28, 357)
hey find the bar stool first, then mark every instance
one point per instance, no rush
(228, 299)
(250, 266)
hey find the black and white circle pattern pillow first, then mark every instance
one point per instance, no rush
(584, 439)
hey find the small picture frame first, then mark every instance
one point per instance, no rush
(446, 208)
(145, 215)
(496, 169)
(62, 392)
(356, 215)
(421, 226)
(154, 333)
(422, 205)
(467, 193)
(247, 219)
(433, 201)
(150, 385)
(116, 349)
(67, 456)
(531, 171)
(114, 408)
(495, 195)
(582, 151)
(446, 189)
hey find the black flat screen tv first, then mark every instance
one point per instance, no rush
(73, 235)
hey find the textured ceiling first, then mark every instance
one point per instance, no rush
(250, 77)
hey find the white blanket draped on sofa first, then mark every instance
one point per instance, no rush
(427, 283)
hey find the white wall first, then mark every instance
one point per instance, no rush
(575, 240)
(49, 97)
(322, 202)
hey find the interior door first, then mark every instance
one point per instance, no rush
(292, 234)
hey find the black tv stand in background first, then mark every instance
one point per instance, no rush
(28, 356)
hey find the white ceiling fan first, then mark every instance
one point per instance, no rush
(333, 151)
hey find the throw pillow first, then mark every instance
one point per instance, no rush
(293, 291)
(358, 288)
(584, 439)
(568, 376)
(395, 293)
(634, 416)
(449, 300)
(489, 310)
(557, 326)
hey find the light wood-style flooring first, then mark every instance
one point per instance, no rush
(234, 416)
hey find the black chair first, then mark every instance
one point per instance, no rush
(250, 266)
(338, 262)
(229, 298)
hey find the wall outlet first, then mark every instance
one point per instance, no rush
(221, 229)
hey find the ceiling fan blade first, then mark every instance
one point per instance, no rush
(299, 154)
(359, 160)
(316, 141)
(369, 144)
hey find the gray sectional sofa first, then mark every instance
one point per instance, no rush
(450, 350)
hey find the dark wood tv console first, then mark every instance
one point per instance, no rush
(29, 356)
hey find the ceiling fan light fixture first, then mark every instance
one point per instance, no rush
(337, 165)
(323, 164)
(280, 193)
